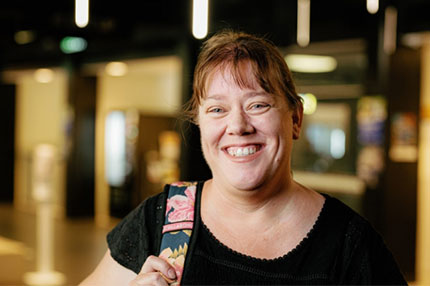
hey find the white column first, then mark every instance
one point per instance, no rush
(44, 160)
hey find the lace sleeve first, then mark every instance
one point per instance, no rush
(138, 235)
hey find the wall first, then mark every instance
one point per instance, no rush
(152, 86)
(423, 213)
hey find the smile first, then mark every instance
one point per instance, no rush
(243, 151)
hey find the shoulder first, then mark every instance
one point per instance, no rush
(138, 235)
(355, 228)
(143, 213)
(351, 228)
(363, 255)
(135, 236)
(337, 215)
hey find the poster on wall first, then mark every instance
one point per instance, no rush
(371, 116)
(371, 120)
(403, 137)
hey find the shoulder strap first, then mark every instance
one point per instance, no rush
(178, 225)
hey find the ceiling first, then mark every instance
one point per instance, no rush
(131, 28)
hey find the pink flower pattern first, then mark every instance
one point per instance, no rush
(179, 209)
(183, 206)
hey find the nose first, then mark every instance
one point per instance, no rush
(239, 123)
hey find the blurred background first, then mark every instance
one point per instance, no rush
(91, 96)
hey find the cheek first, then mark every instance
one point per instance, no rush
(209, 133)
(204, 142)
(271, 126)
(209, 140)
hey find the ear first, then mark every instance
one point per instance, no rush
(297, 121)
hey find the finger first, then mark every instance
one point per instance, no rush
(168, 280)
(154, 264)
(152, 278)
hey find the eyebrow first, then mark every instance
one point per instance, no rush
(248, 94)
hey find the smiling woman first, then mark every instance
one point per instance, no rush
(253, 224)
(246, 133)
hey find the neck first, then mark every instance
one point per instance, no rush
(265, 202)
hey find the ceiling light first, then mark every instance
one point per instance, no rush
(309, 102)
(116, 68)
(44, 75)
(70, 45)
(24, 37)
(303, 22)
(372, 6)
(82, 13)
(310, 63)
(390, 30)
(200, 18)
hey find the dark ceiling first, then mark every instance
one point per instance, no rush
(127, 28)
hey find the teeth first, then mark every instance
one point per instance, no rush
(241, 152)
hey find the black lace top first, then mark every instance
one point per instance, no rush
(341, 248)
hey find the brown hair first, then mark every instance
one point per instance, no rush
(233, 49)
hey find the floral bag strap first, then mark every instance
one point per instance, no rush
(178, 226)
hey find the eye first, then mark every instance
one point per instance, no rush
(259, 107)
(215, 110)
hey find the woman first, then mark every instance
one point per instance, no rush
(253, 223)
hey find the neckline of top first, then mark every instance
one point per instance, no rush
(311, 233)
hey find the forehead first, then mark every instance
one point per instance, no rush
(239, 76)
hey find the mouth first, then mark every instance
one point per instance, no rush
(243, 151)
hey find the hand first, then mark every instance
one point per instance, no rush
(155, 271)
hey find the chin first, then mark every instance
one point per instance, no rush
(245, 182)
(247, 187)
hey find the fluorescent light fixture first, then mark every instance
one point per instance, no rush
(116, 68)
(309, 103)
(70, 45)
(82, 13)
(390, 30)
(415, 40)
(115, 148)
(303, 22)
(372, 6)
(337, 143)
(310, 63)
(44, 75)
(200, 18)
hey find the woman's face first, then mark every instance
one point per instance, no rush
(246, 133)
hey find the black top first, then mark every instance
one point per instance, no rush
(341, 248)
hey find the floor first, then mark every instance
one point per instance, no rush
(79, 245)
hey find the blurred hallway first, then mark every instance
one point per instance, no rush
(79, 245)
(123, 79)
